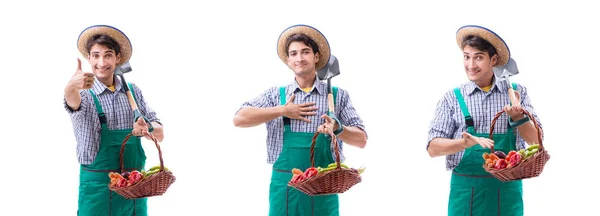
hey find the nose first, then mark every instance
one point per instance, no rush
(471, 64)
(101, 62)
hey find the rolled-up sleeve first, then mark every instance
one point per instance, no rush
(264, 100)
(526, 104)
(145, 109)
(86, 126)
(442, 125)
(347, 113)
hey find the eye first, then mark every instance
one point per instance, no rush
(466, 57)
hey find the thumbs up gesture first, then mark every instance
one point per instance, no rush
(81, 80)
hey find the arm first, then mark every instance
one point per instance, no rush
(441, 129)
(258, 110)
(72, 98)
(354, 130)
(527, 132)
(147, 111)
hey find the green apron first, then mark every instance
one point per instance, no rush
(285, 200)
(94, 196)
(473, 191)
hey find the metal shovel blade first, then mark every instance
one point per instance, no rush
(507, 70)
(330, 70)
(125, 68)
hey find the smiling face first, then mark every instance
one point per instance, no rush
(104, 55)
(479, 58)
(302, 55)
(103, 61)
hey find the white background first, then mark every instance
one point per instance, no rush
(197, 63)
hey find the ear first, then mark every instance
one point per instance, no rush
(118, 57)
(494, 60)
(316, 57)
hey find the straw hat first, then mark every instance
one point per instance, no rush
(488, 35)
(112, 32)
(311, 32)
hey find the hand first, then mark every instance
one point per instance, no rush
(140, 128)
(298, 111)
(81, 80)
(515, 111)
(471, 140)
(329, 124)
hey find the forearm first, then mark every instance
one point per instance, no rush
(354, 136)
(73, 98)
(444, 146)
(252, 116)
(158, 131)
(528, 132)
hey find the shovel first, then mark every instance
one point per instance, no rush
(506, 71)
(330, 70)
(125, 68)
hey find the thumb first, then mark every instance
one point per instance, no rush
(78, 66)
(466, 135)
(291, 98)
(140, 121)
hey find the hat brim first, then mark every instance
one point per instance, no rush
(488, 35)
(314, 34)
(112, 32)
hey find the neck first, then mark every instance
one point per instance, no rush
(108, 81)
(485, 83)
(306, 81)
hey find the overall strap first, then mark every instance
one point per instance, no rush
(283, 100)
(101, 114)
(465, 111)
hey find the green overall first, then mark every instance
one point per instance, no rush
(285, 200)
(94, 196)
(473, 191)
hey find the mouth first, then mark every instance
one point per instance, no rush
(102, 69)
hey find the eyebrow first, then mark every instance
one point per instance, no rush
(477, 53)
(109, 51)
(307, 48)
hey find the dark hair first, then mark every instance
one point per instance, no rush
(301, 38)
(104, 40)
(479, 43)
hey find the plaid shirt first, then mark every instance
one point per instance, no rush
(85, 121)
(270, 98)
(449, 121)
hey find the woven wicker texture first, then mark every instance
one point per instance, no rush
(153, 185)
(336, 181)
(530, 167)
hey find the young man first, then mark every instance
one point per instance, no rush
(296, 112)
(462, 122)
(102, 117)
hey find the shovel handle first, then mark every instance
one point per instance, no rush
(511, 95)
(136, 112)
(330, 103)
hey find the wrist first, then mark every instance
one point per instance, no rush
(281, 110)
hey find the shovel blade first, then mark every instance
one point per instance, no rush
(331, 69)
(125, 68)
(509, 69)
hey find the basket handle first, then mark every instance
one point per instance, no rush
(162, 167)
(537, 127)
(333, 139)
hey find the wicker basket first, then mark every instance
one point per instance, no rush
(336, 181)
(528, 168)
(153, 185)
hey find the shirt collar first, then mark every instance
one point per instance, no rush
(99, 87)
(318, 86)
(497, 85)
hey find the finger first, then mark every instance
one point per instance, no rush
(308, 104)
(517, 95)
(308, 108)
(327, 118)
(308, 113)
(89, 74)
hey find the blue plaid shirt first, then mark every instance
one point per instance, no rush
(85, 121)
(344, 111)
(449, 121)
